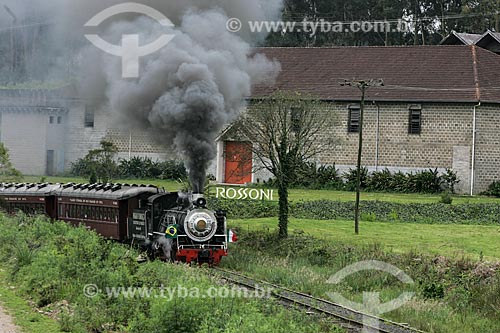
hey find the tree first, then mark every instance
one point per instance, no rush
(431, 21)
(7, 172)
(286, 129)
(98, 165)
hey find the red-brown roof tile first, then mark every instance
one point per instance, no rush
(411, 74)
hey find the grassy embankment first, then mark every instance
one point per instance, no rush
(434, 239)
(28, 319)
(50, 263)
(451, 295)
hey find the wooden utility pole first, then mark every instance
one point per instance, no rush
(361, 85)
(12, 37)
(497, 17)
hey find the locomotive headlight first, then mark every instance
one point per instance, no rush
(200, 224)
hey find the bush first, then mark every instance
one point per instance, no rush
(446, 198)
(493, 189)
(98, 165)
(431, 213)
(327, 177)
(146, 168)
(351, 178)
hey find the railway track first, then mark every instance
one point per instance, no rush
(352, 320)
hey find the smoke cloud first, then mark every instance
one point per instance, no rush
(189, 90)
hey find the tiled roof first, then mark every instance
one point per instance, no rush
(461, 38)
(412, 74)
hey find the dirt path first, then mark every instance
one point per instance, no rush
(7, 324)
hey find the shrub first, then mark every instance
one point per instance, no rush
(146, 168)
(493, 189)
(446, 198)
(98, 165)
(351, 177)
(7, 171)
(309, 175)
(483, 214)
(327, 177)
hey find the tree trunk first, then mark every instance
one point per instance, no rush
(283, 208)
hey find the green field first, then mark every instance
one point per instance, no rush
(296, 194)
(434, 239)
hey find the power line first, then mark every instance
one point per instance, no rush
(17, 27)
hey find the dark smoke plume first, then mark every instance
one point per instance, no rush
(188, 91)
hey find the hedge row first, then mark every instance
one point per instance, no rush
(429, 213)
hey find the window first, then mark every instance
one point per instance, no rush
(296, 117)
(415, 121)
(354, 115)
(51, 119)
(89, 116)
(59, 120)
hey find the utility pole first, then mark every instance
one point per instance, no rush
(361, 85)
(497, 17)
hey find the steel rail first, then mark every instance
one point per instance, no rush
(318, 305)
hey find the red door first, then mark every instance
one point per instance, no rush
(238, 163)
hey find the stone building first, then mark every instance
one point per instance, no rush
(439, 108)
(424, 116)
(46, 130)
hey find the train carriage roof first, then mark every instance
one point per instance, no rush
(105, 191)
(28, 189)
(97, 191)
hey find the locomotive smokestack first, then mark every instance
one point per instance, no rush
(199, 200)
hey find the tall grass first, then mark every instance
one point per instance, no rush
(51, 262)
(451, 295)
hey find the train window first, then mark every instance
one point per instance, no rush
(89, 116)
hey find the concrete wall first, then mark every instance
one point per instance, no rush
(445, 140)
(24, 133)
(487, 146)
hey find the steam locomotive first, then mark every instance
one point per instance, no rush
(174, 226)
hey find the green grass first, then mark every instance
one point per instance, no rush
(25, 317)
(308, 195)
(468, 302)
(449, 240)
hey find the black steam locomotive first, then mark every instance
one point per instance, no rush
(174, 226)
